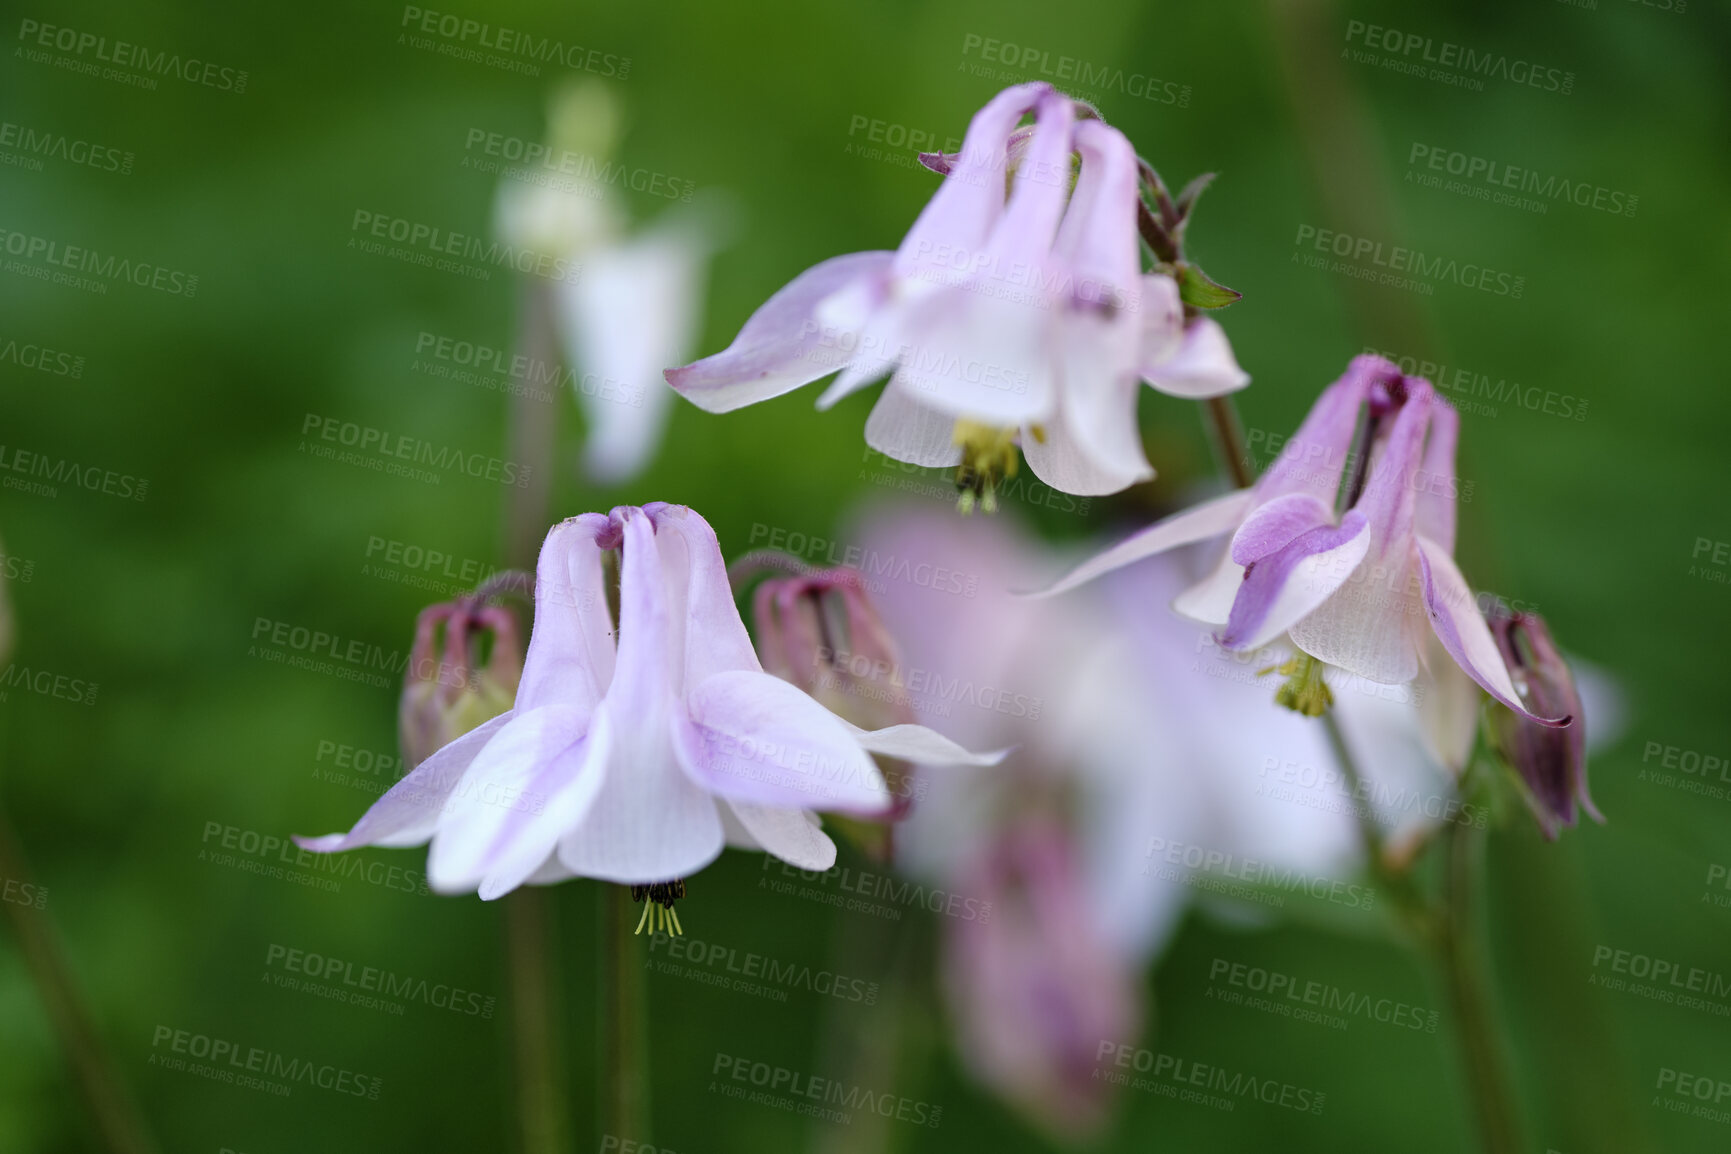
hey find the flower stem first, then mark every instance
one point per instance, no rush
(1457, 951)
(111, 1107)
(541, 1113)
(540, 1110)
(624, 1057)
(1222, 418)
(1446, 931)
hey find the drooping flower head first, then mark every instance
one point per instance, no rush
(638, 747)
(1345, 546)
(1001, 317)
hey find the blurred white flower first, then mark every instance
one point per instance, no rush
(633, 306)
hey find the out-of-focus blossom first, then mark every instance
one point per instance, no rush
(1026, 315)
(446, 694)
(1032, 991)
(626, 306)
(1552, 762)
(1347, 588)
(636, 762)
(1148, 772)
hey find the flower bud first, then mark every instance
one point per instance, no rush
(1552, 761)
(818, 630)
(445, 695)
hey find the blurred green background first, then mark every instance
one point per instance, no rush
(1595, 521)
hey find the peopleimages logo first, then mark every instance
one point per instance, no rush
(1449, 62)
(137, 57)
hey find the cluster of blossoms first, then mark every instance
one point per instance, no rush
(1016, 320)
(1001, 319)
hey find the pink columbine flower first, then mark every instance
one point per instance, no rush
(636, 760)
(1348, 588)
(1026, 314)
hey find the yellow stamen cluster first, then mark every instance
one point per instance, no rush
(989, 456)
(658, 916)
(1304, 690)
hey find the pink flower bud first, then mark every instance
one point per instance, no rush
(448, 692)
(1552, 761)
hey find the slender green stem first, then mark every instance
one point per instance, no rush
(1464, 970)
(624, 1056)
(111, 1107)
(528, 911)
(540, 1108)
(1397, 883)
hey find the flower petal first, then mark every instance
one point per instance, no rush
(1434, 513)
(961, 213)
(409, 811)
(1210, 599)
(1454, 615)
(971, 353)
(1369, 626)
(1273, 526)
(715, 638)
(787, 834)
(755, 738)
(1209, 519)
(531, 782)
(903, 429)
(922, 746)
(1312, 459)
(648, 821)
(570, 657)
(1201, 366)
(1280, 589)
(782, 346)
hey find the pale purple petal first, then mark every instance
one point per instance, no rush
(1454, 615)
(920, 745)
(570, 657)
(715, 638)
(1390, 493)
(1201, 366)
(1312, 459)
(1371, 626)
(1280, 589)
(648, 821)
(753, 737)
(783, 345)
(960, 215)
(1273, 526)
(409, 811)
(1098, 238)
(787, 834)
(1210, 599)
(1209, 519)
(530, 783)
(902, 428)
(1434, 514)
(1160, 321)
(979, 354)
(1024, 235)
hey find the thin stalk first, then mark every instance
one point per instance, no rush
(624, 1056)
(1222, 418)
(528, 911)
(1457, 951)
(111, 1107)
(540, 1108)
